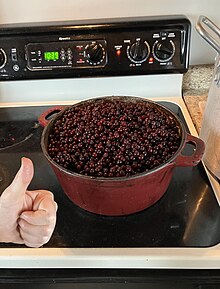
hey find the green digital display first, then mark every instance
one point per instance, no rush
(51, 55)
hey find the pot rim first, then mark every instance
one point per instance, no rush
(169, 162)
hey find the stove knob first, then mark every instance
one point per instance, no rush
(138, 52)
(163, 50)
(3, 58)
(95, 53)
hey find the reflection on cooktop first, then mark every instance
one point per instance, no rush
(15, 126)
(188, 215)
(12, 134)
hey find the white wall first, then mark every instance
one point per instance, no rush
(14, 11)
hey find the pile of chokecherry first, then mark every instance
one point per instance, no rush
(113, 138)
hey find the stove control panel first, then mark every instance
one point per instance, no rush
(117, 47)
(70, 54)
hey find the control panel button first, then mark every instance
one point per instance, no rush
(95, 53)
(16, 67)
(139, 51)
(163, 51)
(14, 57)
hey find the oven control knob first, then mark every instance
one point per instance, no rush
(3, 58)
(139, 51)
(163, 50)
(95, 53)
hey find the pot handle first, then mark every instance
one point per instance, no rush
(194, 159)
(43, 118)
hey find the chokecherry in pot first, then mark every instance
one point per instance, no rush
(113, 138)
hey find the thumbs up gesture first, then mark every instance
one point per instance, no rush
(26, 217)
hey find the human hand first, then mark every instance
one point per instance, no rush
(26, 217)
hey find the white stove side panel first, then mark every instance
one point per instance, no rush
(150, 86)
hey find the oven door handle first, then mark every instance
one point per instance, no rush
(48, 115)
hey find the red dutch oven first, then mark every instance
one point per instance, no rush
(121, 195)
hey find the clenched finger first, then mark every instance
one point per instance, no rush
(34, 236)
(41, 199)
(32, 240)
(40, 217)
(44, 209)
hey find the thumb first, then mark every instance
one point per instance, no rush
(19, 185)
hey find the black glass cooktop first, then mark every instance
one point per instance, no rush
(188, 214)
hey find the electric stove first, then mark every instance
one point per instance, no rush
(45, 64)
(174, 221)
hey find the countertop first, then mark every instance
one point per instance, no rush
(196, 84)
